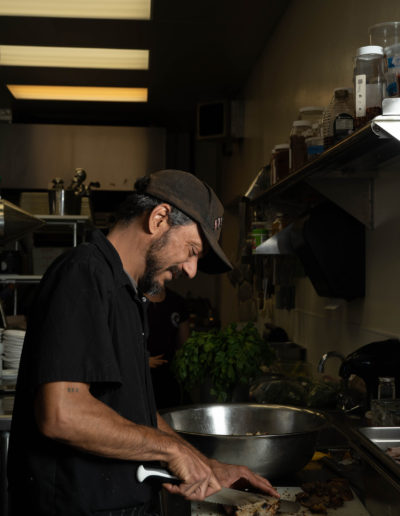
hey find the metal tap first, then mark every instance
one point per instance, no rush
(324, 358)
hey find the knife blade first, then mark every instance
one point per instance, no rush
(226, 496)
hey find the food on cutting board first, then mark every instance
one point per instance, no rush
(394, 453)
(264, 508)
(320, 496)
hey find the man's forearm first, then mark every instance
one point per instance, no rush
(71, 415)
(165, 427)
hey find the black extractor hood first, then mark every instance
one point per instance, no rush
(330, 244)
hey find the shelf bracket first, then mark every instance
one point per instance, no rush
(355, 195)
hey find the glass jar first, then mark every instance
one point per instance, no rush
(387, 35)
(386, 388)
(312, 113)
(280, 162)
(385, 410)
(338, 118)
(301, 129)
(369, 83)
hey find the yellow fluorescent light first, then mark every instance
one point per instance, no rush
(113, 9)
(70, 57)
(86, 93)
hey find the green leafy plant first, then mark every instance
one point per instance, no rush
(226, 357)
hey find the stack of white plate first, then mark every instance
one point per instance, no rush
(1, 344)
(12, 348)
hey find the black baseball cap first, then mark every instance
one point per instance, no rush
(199, 202)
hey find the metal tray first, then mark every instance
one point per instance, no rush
(382, 436)
(376, 439)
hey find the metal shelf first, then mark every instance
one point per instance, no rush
(344, 173)
(20, 278)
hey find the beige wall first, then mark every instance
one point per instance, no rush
(32, 154)
(310, 54)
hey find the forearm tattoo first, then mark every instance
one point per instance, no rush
(72, 389)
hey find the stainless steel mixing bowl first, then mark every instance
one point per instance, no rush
(272, 440)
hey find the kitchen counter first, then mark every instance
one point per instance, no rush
(345, 453)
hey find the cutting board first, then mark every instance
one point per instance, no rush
(352, 508)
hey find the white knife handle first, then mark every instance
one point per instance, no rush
(143, 472)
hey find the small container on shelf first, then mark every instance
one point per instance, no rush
(258, 234)
(301, 129)
(387, 35)
(338, 118)
(280, 162)
(314, 114)
(258, 230)
(369, 83)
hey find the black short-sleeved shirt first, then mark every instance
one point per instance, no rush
(87, 325)
(164, 320)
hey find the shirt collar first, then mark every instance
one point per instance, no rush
(98, 239)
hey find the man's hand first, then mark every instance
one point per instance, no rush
(197, 478)
(240, 477)
(157, 360)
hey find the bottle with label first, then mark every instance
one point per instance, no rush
(369, 83)
(338, 118)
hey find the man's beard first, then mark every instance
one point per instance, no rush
(147, 283)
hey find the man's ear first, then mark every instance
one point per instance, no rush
(158, 218)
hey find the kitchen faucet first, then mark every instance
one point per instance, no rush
(324, 358)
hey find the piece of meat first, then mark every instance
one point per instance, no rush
(319, 496)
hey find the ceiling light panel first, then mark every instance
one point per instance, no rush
(113, 9)
(77, 93)
(70, 57)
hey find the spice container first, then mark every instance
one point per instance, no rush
(313, 114)
(369, 83)
(301, 130)
(280, 162)
(387, 35)
(338, 118)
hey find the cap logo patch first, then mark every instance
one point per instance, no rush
(218, 223)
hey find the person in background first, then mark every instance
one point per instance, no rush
(84, 416)
(168, 319)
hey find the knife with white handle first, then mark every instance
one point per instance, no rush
(226, 496)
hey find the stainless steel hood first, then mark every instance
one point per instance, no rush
(15, 222)
(280, 243)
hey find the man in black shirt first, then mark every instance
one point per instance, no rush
(84, 415)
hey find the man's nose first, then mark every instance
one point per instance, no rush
(190, 267)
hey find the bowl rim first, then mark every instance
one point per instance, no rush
(313, 412)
